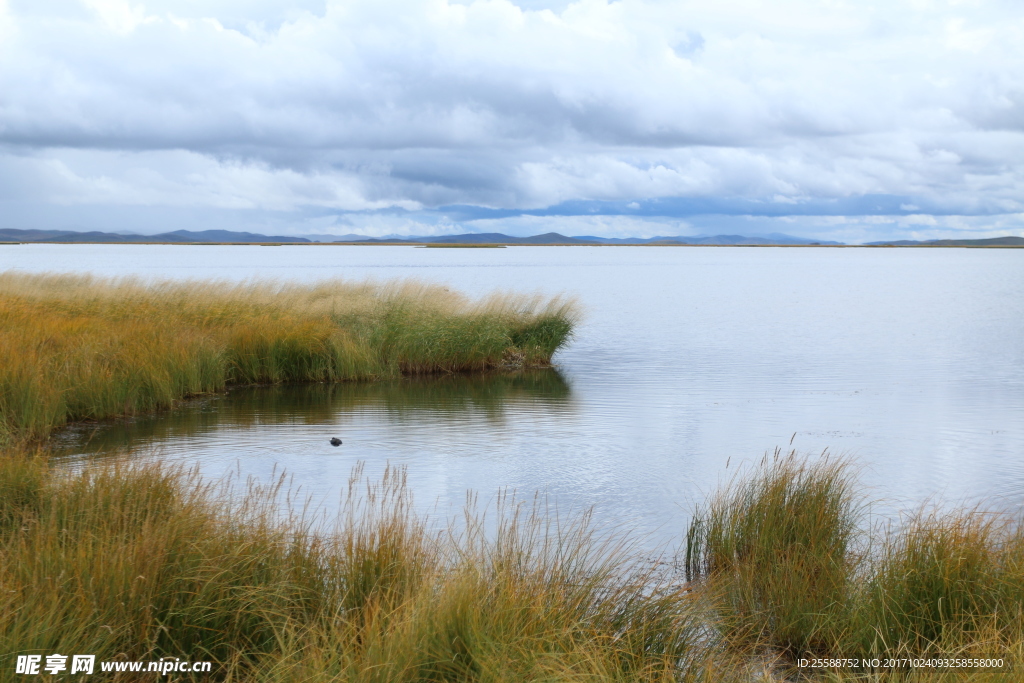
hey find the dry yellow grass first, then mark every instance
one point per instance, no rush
(79, 347)
(139, 561)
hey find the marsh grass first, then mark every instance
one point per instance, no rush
(81, 348)
(138, 561)
(942, 582)
(799, 570)
(779, 545)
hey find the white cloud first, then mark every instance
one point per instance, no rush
(120, 16)
(181, 178)
(373, 104)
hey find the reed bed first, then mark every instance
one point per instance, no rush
(84, 348)
(800, 572)
(137, 561)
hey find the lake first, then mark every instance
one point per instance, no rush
(689, 359)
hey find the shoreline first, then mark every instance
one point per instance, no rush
(514, 244)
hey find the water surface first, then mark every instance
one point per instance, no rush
(911, 361)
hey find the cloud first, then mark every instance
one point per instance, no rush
(368, 106)
(181, 178)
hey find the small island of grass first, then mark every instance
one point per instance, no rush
(79, 347)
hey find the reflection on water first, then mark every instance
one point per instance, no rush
(449, 399)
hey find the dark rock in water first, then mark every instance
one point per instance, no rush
(335, 441)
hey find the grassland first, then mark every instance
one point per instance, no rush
(84, 348)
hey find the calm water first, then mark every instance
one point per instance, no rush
(910, 361)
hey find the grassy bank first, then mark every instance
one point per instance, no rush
(78, 347)
(132, 561)
(799, 571)
(135, 562)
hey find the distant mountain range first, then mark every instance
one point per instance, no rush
(774, 238)
(232, 237)
(229, 236)
(989, 242)
(178, 236)
(556, 238)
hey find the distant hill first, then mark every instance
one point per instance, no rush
(498, 238)
(230, 236)
(988, 242)
(774, 238)
(106, 238)
(12, 235)
(177, 236)
(556, 238)
(467, 238)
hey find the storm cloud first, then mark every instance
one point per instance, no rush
(821, 118)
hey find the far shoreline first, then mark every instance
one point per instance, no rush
(507, 244)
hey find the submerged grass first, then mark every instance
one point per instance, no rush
(80, 347)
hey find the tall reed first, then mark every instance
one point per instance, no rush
(795, 566)
(137, 561)
(943, 582)
(778, 545)
(79, 347)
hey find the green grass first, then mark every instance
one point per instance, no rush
(943, 582)
(83, 348)
(138, 561)
(778, 545)
(798, 570)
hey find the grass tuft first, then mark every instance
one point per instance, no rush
(792, 567)
(778, 546)
(940, 582)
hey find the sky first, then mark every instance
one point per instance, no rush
(848, 120)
